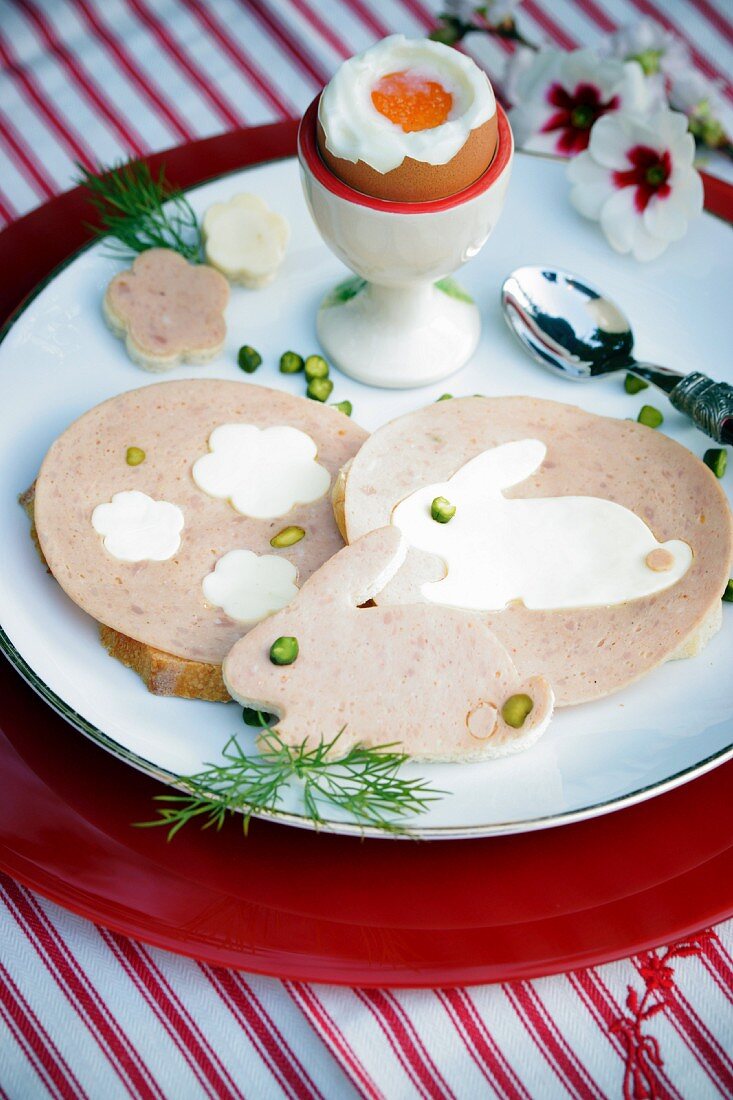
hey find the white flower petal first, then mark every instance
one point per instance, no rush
(610, 141)
(645, 247)
(590, 198)
(664, 218)
(517, 64)
(586, 67)
(671, 128)
(689, 88)
(635, 91)
(618, 220)
(526, 121)
(687, 192)
(683, 149)
(544, 143)
(583, 169)
(537, 78)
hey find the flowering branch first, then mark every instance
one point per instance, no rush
(453, 29)
(668, 72)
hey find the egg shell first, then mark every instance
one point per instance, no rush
(414, 180)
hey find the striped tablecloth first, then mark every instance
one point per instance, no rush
(85, 1012)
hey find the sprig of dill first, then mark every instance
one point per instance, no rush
(364, 783)
(139, 210)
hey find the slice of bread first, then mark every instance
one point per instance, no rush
(162, 673)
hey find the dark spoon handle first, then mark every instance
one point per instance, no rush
(708, 404)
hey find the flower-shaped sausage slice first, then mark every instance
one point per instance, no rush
(167, 310)
(245, 240)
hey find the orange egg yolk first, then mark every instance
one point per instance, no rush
(411, 101)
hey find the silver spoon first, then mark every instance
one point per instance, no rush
(572, 330)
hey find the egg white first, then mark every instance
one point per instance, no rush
(356, 131)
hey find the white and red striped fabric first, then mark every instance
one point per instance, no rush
(98, 81)
(87, 1013)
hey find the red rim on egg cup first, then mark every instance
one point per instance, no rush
(310, 156)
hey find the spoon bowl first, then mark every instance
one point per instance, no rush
(566, 324)
(574, 331)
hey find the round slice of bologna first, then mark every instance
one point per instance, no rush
(180, 514)
(596, 548)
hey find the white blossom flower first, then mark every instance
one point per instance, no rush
(516, 66)
(560, 95)
(637, 179)
(655, 48)
(709, 115)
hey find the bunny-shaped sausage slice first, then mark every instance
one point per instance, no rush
(432, 678)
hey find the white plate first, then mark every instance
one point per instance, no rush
(59, 359)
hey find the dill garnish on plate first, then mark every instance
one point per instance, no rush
(138, 211)
(364, 783)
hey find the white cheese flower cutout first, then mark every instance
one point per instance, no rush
(137, 528)
(549, 552)
(245, 240)
(636, 178)
(248, 588)
(263, 472)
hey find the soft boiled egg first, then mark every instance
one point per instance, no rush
(408, 120)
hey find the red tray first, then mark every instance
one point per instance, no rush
(296, 904)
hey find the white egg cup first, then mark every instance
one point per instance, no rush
(401, 321)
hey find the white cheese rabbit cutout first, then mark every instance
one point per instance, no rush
(436, 680)
(550, 553)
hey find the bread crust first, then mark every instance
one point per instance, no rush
(162, 673)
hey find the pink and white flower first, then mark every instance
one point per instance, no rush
(655, 48)
(636, 178)
(710, 117)
(559, 96)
